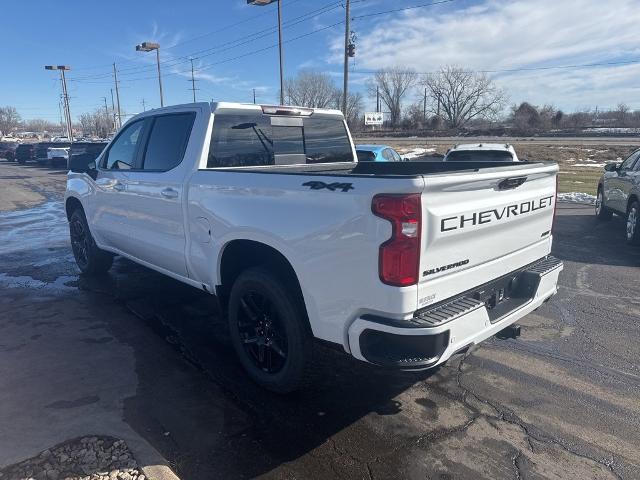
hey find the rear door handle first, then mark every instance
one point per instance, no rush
(169, 193)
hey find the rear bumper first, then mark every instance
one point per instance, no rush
(436, 333)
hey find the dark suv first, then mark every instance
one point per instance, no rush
(26, 152)
(8, 150)
(619, 193)
(85, 152)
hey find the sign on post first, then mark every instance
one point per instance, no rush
(373, 118)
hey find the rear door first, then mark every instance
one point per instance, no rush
(483, 224)
(155, 192)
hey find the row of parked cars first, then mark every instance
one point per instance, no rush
(468, 152)
(53, 154)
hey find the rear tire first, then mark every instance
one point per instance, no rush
(602, 212)
(633, 224)
(89, 258)
(268, 329)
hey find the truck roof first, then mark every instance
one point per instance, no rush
(215, 106)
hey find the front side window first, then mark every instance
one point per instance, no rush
(122, 153)
(168, 141)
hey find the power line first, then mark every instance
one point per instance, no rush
(395, 10)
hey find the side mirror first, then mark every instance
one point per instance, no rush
(611, 167)
(83, 163)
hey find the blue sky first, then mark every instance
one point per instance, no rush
(476, 34)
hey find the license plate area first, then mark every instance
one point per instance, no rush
(507, 293)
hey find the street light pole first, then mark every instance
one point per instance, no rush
(262, 3)
(147, 47)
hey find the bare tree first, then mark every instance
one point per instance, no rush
(463, 95)
(355, 105)
(98, 123)
(393, 85)
(40, 125)
(9, 119)
(311, 89)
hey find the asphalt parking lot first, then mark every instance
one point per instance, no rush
(138, 356)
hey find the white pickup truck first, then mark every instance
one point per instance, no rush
(399, 264)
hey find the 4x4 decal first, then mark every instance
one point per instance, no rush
(343, 187)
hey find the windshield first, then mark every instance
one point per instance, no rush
(479, 156)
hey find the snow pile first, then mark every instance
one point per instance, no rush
(418, 152)
(594, 164)
(577, 197)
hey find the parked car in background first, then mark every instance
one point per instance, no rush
(58, 155)
(8, 150)
(619, 193)
(377, 153)
(481, 152)
(26, 152)
(41, 151)
(84, 152)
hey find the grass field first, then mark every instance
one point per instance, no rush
(580, 166)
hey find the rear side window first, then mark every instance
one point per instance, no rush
(365, 156)
(168, 141)
(242, 140)
(479, 156)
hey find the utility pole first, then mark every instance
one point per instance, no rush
(424, 107)
(115, 78)
(347, 30)
(280, 51)
(254, 96)
(106, 108)
(113, 111)
(193, 82)
(377, 99)
(144, 106)
(67, 111)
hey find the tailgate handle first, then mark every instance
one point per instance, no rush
(510, 183)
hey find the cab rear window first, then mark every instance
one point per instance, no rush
(479, 156)
(253, 139)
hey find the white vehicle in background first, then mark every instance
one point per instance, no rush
(58, 155)
(481, 152)
(399, 264)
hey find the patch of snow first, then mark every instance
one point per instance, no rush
(593, 165)
(418, 152)
(577, 197)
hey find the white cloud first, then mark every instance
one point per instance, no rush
(500, 34)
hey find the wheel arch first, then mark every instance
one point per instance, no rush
(71, 204)
(241, 254)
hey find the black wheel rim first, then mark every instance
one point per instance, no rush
(79, 242)
(262, 334)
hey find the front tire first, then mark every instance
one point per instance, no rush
(89, 258)
(602, 212)
(633, 224)
(267, 323)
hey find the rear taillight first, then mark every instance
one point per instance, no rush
(399, 257)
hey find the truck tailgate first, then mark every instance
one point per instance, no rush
(478, 226)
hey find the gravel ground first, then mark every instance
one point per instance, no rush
(87, 458)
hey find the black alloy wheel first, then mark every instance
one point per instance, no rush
(261, 332)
